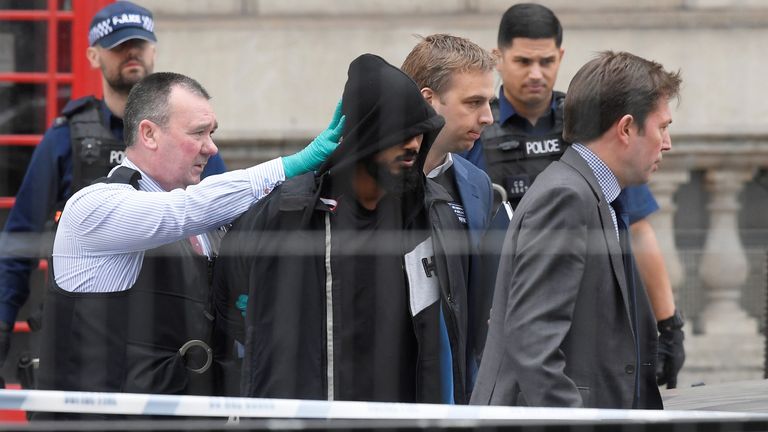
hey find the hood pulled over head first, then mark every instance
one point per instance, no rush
(383, 108)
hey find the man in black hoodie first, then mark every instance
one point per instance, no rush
(345, 298)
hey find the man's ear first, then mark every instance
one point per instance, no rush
(496, 53)
(624, 128)
(92, 53)
(153, 48)
(428, 94)
(147, 136)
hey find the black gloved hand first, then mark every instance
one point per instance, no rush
(6, 330)
(671, 350)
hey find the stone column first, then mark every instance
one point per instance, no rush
(731, 349)
(724, 264)
(664, 185)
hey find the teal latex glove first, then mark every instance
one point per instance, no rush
(318, 150)
(242, 303)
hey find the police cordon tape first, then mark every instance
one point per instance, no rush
(206, 406)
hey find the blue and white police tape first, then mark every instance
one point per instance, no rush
(205, 406)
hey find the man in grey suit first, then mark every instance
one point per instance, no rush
(571, 325)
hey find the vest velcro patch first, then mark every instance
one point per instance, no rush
(517, 185)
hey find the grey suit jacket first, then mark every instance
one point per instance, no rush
(561, 333)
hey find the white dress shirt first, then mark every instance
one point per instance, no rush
(105, 228)
(443, 167)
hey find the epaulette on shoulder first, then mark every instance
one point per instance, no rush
(76, 105)
(60, 121)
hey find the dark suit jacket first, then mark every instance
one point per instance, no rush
(560, 332)
(476, 195)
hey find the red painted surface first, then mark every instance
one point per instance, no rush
(13, 416)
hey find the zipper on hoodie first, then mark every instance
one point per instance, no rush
(329, 375)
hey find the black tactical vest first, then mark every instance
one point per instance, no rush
(95, 151)
(151, 338)
(514, 157)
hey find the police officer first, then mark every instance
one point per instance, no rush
(527, 135)
(83, 145)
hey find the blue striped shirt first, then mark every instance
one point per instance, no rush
(605, 178)
(105, 228)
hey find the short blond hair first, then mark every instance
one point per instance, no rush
(437, 57)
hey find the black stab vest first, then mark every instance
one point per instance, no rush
(95, 151)
(130, 341)
(514, 157)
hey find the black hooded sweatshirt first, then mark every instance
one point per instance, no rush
(320, 321)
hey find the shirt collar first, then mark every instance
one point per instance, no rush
(442, 168)
(605, 177)
(506, 110)
(146, 183)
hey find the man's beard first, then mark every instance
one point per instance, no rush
(124, 83)
(408, 180)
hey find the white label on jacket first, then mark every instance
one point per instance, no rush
(424, 288)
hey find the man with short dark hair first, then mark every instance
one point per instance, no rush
(571, 325)
(527, 133)
(355, 289)
(527, 136)
(129, 309)
(81, 146)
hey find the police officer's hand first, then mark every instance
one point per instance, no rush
(671, 351)
(312, 156)
(6, 330)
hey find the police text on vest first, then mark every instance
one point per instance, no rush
(544, 147)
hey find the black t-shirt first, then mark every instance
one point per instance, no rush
(375, 346)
